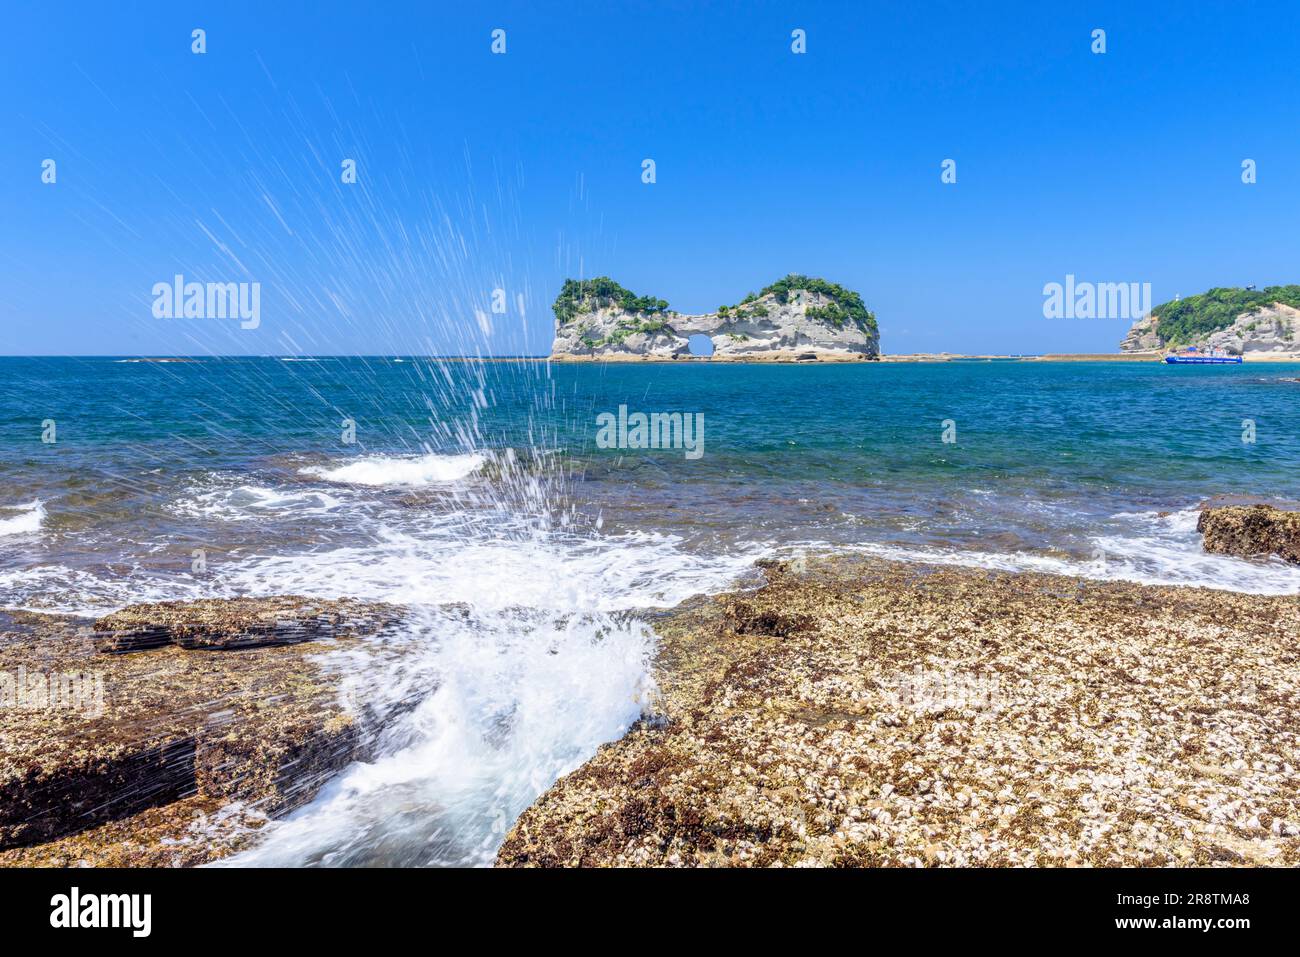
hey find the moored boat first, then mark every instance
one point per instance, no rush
(1194, 358)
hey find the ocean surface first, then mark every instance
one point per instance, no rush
(431, 482)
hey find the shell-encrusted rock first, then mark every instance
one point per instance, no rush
(938, 716)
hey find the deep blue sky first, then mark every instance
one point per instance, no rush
(478, 170)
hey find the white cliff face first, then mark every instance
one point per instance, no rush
(762, 328)
(1271, 328)
(610, 330)
(1143, 336)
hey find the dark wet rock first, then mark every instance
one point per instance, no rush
(236, 706)
(744, 618)
(228, 623)
(1251, 531)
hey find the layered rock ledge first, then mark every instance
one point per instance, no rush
(874, 713)
(166, 734)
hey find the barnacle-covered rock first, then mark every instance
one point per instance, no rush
(870, 713)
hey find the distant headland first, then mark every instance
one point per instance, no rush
(1233, 320)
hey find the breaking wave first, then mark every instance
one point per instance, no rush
(384, 470)
(29, 519)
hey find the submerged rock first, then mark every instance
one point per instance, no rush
(870, 712)
(161, 712)
(1250, 531)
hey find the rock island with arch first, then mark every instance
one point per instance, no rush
(798, 318)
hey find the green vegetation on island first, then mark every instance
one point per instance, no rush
(845, 306)
(585, 295)
(630, 327)
(649, 315)
(1190, 320)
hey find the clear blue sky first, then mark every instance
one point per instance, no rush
(518, 170)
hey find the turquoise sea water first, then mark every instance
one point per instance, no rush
(483, 484)
(153, 460)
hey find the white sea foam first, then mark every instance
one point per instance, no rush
(546, 668)
(553, 571)
(517, 703)
(380, 470)
(59, 589)
(28, 520)
(1146, 547)
(246, 502)
(543, 671)
(435, 559)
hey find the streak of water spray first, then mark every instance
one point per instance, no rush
(386, 303)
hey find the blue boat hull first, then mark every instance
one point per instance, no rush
(1202, 360)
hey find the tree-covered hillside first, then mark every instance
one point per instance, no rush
(846, 306)
(1190, 320)
(584, 295)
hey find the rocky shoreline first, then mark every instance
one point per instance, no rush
(846, 712)
(210, 717)
(872, 713)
